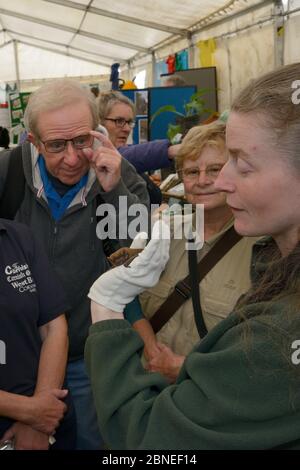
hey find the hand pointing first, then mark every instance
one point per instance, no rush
(105, 160)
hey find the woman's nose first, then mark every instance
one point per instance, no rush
(224, 181)
(204, 178)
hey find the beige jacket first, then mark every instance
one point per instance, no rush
(219, 290)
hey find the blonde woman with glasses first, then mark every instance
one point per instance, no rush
(199, 162)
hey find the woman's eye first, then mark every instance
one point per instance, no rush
(243, 166)
(215, 170)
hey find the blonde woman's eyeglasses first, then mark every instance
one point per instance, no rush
(193, 173)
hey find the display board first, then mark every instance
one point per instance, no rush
(140, 98)
(162, 96)
(148, 101)
(17, 103)
(202, 77)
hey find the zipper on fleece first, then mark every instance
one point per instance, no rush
(53, 241)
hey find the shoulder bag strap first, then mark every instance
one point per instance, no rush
(182, 290)
(195, 292)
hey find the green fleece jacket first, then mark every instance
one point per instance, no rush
(238, 389)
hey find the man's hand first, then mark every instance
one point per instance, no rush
(26, 438)
(117, 287)
(105, 160)
(173, 150)
(45, 410)
(166, 362)
(123, 254)
(151, 350)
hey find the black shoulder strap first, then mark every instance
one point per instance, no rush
(195, 292)
(199, 270)
(14, 187)
(183, 289)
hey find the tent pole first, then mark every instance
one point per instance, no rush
(191, 51)
(278, 33)
(153, 69)
(17, 64)
(128, 70)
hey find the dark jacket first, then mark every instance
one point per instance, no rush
(238, 389)
(147, 156)
(74, 250)
(4, 138)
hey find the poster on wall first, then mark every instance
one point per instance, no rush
(143, 130)
(141, 102)
(24, 99)
(17, 103)
(15, 108)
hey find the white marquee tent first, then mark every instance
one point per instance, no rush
(42, 39)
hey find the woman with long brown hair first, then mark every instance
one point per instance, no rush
(240, 387)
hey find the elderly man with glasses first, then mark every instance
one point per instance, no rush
(69, 170)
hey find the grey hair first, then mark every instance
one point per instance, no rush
(56, 95)
(175, 80)
(107, 101)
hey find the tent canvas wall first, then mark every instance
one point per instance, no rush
(43, 39)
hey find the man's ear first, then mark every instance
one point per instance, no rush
(33, 140)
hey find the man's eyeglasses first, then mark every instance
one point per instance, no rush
(193, 173)
(120, 122)
(59, 145)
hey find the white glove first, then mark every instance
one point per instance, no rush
(140, 240)
(119, 286)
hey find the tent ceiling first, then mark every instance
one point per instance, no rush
(98, 31)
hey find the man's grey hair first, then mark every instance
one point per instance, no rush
(175, 80)
(55, 95)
